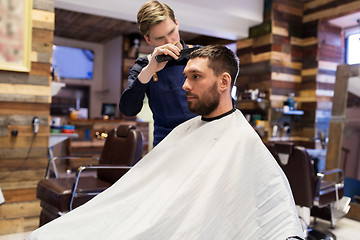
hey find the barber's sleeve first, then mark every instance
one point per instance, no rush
(131, 100)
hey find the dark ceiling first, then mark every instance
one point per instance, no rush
(99, 29)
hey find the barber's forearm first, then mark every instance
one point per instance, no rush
(151, 68)
(145, 75)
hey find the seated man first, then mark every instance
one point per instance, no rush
(210, 178)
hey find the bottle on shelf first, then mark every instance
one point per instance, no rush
(291, 101)
(289, 104)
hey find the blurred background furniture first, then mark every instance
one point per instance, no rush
(310, 189)
(60, 194)
(56, 138)
(90, 140)
(344, 132)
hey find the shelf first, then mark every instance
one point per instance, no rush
(260, 104)
(83, 144)
(288, 139)
(294, 112)
(301, 141)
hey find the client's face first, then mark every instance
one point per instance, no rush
(201, 87)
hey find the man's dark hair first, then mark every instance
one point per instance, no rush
(221, 59)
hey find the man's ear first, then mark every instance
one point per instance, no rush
(225, 81)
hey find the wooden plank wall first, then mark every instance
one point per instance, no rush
(288, 72)
(22, 96)
(330, 53)
(272, 59)
(296, 49)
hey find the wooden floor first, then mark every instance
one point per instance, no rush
(345, 229)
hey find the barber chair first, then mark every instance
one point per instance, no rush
(122, 149)
(309, 189)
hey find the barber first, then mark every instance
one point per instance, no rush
(161, 82)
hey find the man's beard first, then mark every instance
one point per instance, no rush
(207, 104)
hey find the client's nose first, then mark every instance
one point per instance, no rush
(186, 85)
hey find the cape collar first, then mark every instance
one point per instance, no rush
(218, 117)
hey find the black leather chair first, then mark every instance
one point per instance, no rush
(309, 189)
(122, 149)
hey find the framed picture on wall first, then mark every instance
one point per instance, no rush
(15, 35)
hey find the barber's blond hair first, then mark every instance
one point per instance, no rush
(152, 13)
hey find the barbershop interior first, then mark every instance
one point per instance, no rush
(298, 87)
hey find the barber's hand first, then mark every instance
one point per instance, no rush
(154, 66)
(167, 49)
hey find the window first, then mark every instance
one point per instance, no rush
(353, 49)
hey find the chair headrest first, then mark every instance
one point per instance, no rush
(284, 147)
(123, 130)
(284, 150)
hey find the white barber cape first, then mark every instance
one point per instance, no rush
(206, 180)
